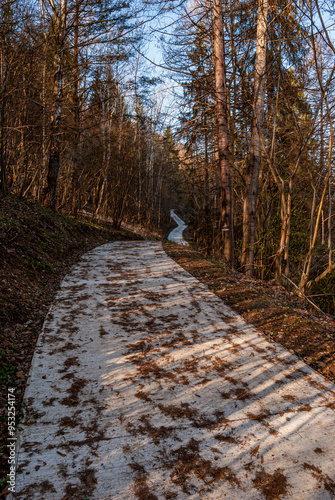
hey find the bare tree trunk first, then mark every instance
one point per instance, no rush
(54, 158)
(103, 189)
(50, 192)
(3, 183)
(283, 249)
(250, 200)
(288, 228)
(76, 117)
(222, 131)
(329, 225)
(40, 184)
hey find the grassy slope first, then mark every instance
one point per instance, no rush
(37, 249)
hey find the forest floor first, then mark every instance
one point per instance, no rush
(37, 249)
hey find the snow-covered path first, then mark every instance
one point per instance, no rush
(176, 234)
(144, 385)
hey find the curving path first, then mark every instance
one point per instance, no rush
(176, 234)
(144, 385)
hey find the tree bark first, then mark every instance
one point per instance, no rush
(3, 184)
(50, 192)
(76, 117)
(3, 180)
(250, 200)
(222, 132)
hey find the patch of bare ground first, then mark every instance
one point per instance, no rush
(147, 367)
(199, 420)
(74, 392)
(272, 486)
(86, 486)
(186, 462)
(148, 429)
(143, 395)
(259, 417)
(67, 422)
(140, 486)
(280, 315)
(226, 439)
(141, 346)
(178, 339)
(45, 488)
(37, 249)
(322, 478)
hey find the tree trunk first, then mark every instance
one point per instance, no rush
(50, 192)
(3, 183)
(222, 131)
(250, 200)
(288, 230)
(76, 118)
(283, 249)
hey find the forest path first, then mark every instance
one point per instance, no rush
(145, 385)
(176, 235)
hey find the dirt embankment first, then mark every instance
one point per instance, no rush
(37, 249)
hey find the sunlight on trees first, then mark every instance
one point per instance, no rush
(250, 161)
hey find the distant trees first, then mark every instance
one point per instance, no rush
(252, 159)
(16, 75)
(72, 134)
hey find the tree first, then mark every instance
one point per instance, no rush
(254, 162)
(57, 39)
(222, 131)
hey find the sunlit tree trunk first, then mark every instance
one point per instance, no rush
(222, 131)
(254, 162)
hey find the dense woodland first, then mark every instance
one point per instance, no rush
(249, 159)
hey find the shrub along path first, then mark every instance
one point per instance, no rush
(145, 385)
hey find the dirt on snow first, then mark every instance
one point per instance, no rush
(37, 249)
(281, 315)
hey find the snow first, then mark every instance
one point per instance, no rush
(177, 234)
(142, 378)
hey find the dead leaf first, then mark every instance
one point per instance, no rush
(254, 451)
